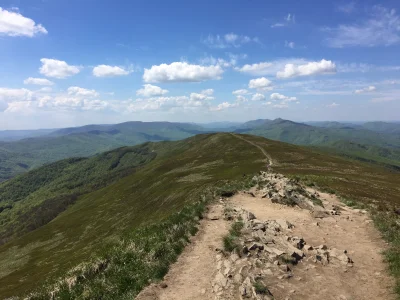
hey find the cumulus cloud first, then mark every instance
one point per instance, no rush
(203, 95)
(228, 40)
(193, 102)
(224, 105)
(57, 68)
(269, 68)
(182, 72)
(258, 97)
(240, 92)
(280, 97)
(256, 69)
(12, 23)
(109, 71)
(311, 68)
(207, 92)
(38, 81)
(166, 103)
(150, 90)
(13, 95)
(261, 84)
(366, 90)
(78, 91)
(382, 28)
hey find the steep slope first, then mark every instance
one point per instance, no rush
(179, 175)
(85, 141)
(35, 198)
(127, 213)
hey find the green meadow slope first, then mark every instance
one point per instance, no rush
(17, 157)
(151, 207)
(375, 142)
(178, 175)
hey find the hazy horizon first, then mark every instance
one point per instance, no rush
(197, 123)
(182, 61)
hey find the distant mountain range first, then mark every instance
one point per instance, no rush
(24, 150)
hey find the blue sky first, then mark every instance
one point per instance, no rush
(69, 63)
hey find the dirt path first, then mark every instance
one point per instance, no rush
(352, 230)
(190, 278)
(270, 162)
(205, 272)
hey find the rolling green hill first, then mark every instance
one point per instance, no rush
(19, 156)
(356, 142)
(15, 135)
(375, 142)
(134, 207)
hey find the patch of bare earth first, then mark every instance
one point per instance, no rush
(284, 252)
(192, 275)
(350, 230)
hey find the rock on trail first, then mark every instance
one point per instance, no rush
(290, 247)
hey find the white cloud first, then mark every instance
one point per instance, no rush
(366, 90)
(45, 90)
(57, 68)
(241, 99)
(109, 71)
(287, 20)
(203, 95)
(258, 97)
(150, 90)
(14, 95)
(182, 72)
(311, 68)
(269, 68)
(261, 68)
(38, 81)
(289, 44)
(381, 29)
(193, 102)
(224, 105)
(283, 98)
(12, 23)
(261, 84)
(228, 40)
(240, 92)
(208, 92)
(166, 103)
(78, 91)
(333, 105)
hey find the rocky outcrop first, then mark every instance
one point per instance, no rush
(283, 190)
(267, 254)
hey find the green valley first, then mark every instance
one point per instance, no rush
(148, 198)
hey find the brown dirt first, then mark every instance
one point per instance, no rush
(352, 231)
(192, 275)
(190, 278)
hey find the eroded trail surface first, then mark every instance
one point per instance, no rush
(290, 247)
(191, 276)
